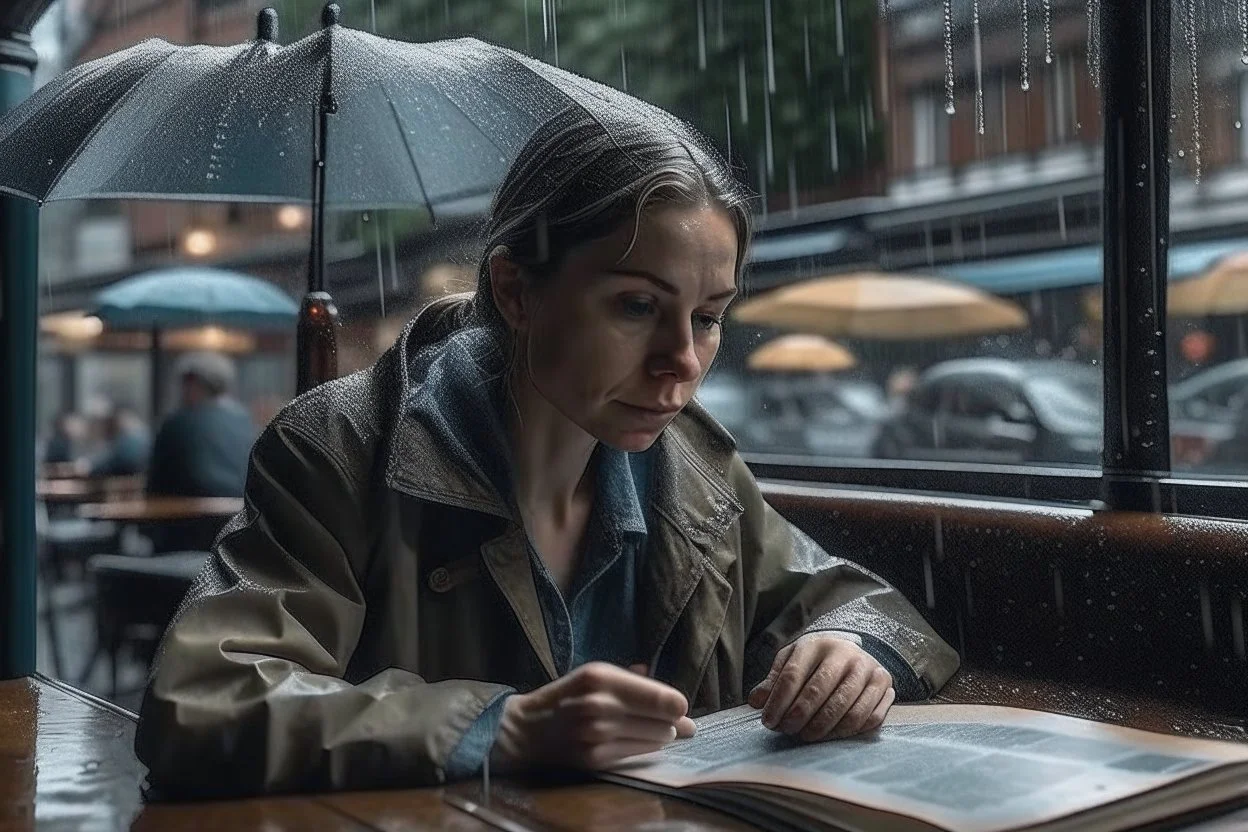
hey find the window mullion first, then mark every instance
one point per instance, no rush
(1135, 73)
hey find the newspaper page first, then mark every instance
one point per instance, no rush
(971, 768)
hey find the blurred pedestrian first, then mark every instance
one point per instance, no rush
(127, 448)
(201, 449)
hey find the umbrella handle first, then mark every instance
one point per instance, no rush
(317, 341)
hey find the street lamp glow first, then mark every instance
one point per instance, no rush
(291, 217)
(200, 243)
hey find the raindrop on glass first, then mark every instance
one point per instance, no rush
(840, 30)
(744, 99)
(1238, 124)
(1048, 31)
(806, 46)
(1241, 8)
(1094, 42)
(1194, 69)
(701, 34)
(949, 107)
(1025, 65)
(979, 69)
(834, 142)
(771, 50)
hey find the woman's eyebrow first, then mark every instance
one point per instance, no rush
(664, 285)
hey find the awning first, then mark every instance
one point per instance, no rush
(1079, 266)
(770, 248)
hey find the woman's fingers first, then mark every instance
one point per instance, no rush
(607, 754)
(834, 720)
(636, 729)
(801, 686)
(638, 695)
(685, 728)
(759, 695)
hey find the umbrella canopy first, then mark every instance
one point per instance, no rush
(801, 353)
(882, 307)
(188, 297)
(1223, 290)
(411, 124)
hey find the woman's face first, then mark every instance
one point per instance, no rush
(620, 346)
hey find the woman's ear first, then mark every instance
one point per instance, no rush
(508, 284)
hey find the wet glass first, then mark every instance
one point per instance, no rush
(1207, 316)
(951, 149)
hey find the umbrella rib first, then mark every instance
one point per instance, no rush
(99, 123)
(509, 56)
(411, 157)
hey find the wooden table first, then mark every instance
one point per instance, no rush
(86, 489)
(162, 509)
(88, 777)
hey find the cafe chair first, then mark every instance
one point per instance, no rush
(136, 598)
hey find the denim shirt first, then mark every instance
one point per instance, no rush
(462, 395)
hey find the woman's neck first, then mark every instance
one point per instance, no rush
(551, 454)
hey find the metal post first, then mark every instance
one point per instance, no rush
(1135, 72)
(19, 329)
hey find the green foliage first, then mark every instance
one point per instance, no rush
(688, 56)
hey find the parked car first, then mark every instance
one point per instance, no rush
(797, 415)
(1205, 413)
(989, 410)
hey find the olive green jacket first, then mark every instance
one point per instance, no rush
(375, 595)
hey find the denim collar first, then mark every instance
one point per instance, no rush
(457, 393)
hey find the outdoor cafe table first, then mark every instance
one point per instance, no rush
(87, 489)
(67, 760)
(158, 509)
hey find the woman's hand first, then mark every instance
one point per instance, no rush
(593, 717)
(822, 687)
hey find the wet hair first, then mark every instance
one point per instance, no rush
(583, 174)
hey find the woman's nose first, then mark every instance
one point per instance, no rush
(677, 356)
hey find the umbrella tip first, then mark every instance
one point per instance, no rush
(266, 25)
(330, 14)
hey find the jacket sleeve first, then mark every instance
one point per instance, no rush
(248, 694)
(794, 587)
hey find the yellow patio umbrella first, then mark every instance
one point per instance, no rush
(881, 306)
(805, 353)
(1223, 290)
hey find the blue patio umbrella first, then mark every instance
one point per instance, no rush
(183, 297)
(195, 296)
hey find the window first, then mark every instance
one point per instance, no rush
(1207, 316)
(1061, 105)
(931, 132)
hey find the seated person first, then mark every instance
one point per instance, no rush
(516, 536)
(65, 442)
(202, 449)
(128, 446)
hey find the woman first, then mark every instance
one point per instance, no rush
(516, 535)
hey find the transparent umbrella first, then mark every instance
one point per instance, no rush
(341, 118)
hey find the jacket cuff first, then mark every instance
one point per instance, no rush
(477, 742)
(907, 684)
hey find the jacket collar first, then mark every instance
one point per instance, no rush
(691, 499)
(456, 461)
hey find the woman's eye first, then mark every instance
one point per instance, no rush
(636, 307)
(706, 323)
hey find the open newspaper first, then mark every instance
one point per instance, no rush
(958, 768)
